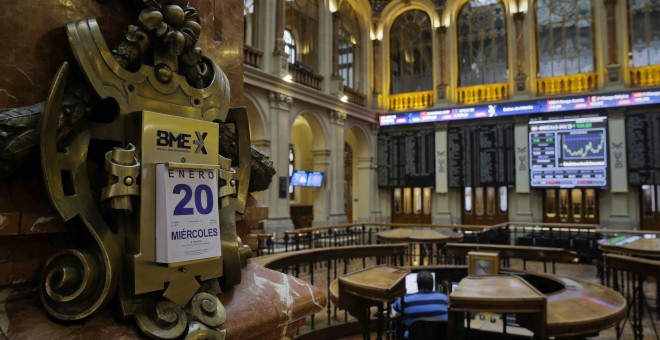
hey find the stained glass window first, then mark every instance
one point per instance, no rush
(564, 35)
(644, 32)
(349, 45)
(482, 48)
(410, 53)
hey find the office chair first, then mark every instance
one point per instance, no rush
(428, 328)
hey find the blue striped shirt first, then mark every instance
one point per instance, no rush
(422, 305)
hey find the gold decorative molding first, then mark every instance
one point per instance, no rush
(574, 83)
(645, 76)
(411, 100)
(482, 93)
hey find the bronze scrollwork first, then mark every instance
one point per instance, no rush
(89, 128)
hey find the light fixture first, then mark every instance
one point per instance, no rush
(344, 98)
(288, 78)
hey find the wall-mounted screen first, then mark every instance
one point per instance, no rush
(568, 152)
(301, 178)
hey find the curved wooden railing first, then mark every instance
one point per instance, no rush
(574, 83)
(645, 76)
(482, 93)
(459, 251)
(410, 100)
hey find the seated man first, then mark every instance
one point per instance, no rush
(424, 304)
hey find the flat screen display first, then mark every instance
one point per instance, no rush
(301, 178)
(411, 283)
(568, 152)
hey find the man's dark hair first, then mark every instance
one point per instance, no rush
(424, 281)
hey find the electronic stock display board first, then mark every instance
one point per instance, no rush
(530, 107)
(568, 152)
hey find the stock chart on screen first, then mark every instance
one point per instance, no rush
(568, 152)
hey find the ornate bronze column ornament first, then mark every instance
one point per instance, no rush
(96, 121)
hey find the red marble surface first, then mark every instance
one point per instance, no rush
(34, 44)
(266, 305)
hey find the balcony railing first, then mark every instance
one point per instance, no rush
(482, 93)
(355, 96)
(412, 100)
(566, 84)
(305, 76)
(645, 76)
(252, 56)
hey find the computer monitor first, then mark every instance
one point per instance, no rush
(411, 283)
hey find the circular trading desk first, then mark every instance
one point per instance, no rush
(631, 245)
(544, 306)
(547, 305)
(425, 238)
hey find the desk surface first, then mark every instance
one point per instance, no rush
(416, 235)
(496, 293)
(632, 245)
(578, 308)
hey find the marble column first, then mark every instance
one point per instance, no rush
(521, 77)
(616, 201)
(363, 205)
(322, 195)
(613, 65)
(336, 80)
(376, 90)
(280, 66)
(336, 196)
(520, 209)
(442, 45)
(279, 218)
(441, 210)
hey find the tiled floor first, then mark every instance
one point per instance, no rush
(578, 271)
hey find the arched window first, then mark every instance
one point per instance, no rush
(482, 50)
(301, 17)
(644, 32)
(564, 35)
(290, 46)
(349, 45)
(410, 53)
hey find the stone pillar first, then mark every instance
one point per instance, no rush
(520, 78)
(441, 211)
(442, 45)
(279, 218)
(376, 92)
(613, 65)
(280, 65)
(520, 209)
(336, 179)
(363, 202)
(322, 196)
(621, 216)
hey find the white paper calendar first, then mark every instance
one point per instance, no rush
(187, 213)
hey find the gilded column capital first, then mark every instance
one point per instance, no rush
(280, 100)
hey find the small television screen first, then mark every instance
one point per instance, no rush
(301, 178)
(568, 152)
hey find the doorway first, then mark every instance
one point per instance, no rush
(485, 205)
(411, 205)
(577, 205)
